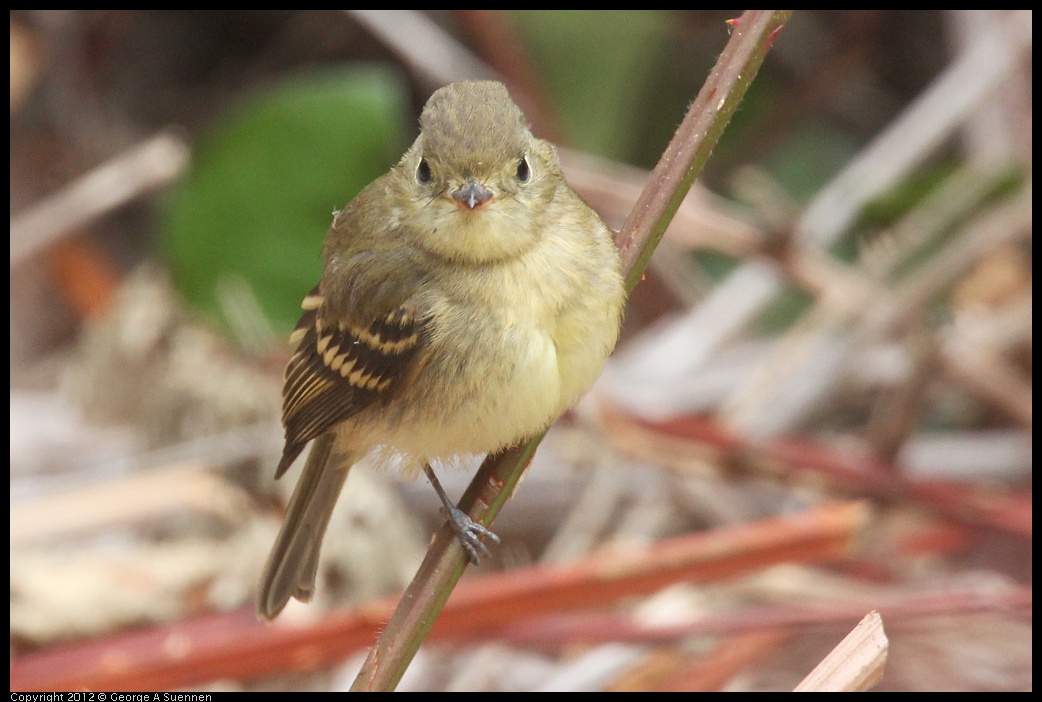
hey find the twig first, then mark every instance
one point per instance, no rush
(990, 377)
(691, 146)
(683, 440)
(150, 165)
(228, 446)
(996, 132)
(953, 201)
(787, 385)
(183, 488)
(704, 220)
(933, 116)
(566, 629)
(236, 646)
(711, 672)
(681, 349)
(431, 52)
(856, 664)
(499, 475)
(1008, 221)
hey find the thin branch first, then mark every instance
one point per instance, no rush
(237, 647)
(431, 53)
(683, 347)
(570, 629)
(499, 475)
(932, 117)
(145, 167)
(856, 664)
(813, 359)
(711, 672)
(694, 141)
(681, 440)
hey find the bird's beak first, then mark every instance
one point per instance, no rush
(472, 195)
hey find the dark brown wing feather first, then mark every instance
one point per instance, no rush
(339, 369)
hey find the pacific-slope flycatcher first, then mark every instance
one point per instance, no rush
(469, 297)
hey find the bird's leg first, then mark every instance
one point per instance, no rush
(467, 530)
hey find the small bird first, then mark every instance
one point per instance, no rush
(468, 298)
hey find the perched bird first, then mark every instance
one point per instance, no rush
(468, 298)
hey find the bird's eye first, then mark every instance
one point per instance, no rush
(524, 172)
(423, 172)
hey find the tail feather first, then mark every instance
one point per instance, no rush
(293, 564)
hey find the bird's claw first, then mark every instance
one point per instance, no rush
(469, 534)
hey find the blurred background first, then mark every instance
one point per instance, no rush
(838, 322)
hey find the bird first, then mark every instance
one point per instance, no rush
(468, 298)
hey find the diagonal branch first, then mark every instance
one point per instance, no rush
(497, 478)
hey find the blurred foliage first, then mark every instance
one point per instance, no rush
(806, 159)
(265, 182)
(259, 198)
(621, 82)
(599, 85)
(889, 208)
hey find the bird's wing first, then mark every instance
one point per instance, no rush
(342, 366)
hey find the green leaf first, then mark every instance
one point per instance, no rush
(264, 183)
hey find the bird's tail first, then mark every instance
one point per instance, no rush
(293, 563)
